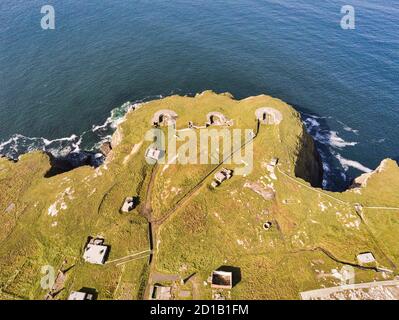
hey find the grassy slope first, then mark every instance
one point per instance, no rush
(216, 227)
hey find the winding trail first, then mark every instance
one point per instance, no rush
(332, 257)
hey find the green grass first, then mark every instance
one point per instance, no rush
(214, 228)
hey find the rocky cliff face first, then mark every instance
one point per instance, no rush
(308, 165)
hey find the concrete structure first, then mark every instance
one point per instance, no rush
(365, 258)
(222, 176)
(154, 154)
(192, 125)
(274, 162)
(268, 116)
(77, 295)
(164, 118)
(267, 225)
(218, 119)
(95, 251)
(222, 280)
(271, 166)
(159, 292)
(128, 205)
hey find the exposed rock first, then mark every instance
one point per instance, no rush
(10, 208)
(116, 137)
(266, 192)
(106, 148)
(361, 181)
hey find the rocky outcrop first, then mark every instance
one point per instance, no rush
(116, 137)
(266, 193)
(106, 148)
(361, 181)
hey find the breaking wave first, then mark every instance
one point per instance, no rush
(89, 140)
(338, 142)
(330, 144)
(346, 163)
(19, 144)
(347, 128)
(324, 136)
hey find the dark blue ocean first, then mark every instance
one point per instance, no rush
(59, 87)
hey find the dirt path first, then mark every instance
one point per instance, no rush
(358, 213)
(129, 257)
(146, 209)
(332, 257)
(154, 225)
(179, 204)
(161, 277)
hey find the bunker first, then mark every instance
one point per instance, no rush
(268, 116)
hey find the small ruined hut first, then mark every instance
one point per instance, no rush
(221, 176)
(154, 154)
(79, 295)
(159, 292)
(222, 280)
(365, 258)
(129, 204)
(96, 251)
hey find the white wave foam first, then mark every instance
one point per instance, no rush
(347, 128)
(314, 116)
(346, 163)
(311, 123)
(338, 142)
(378, 140)
(327, 137)
(329, 142)
(332, 139)
(76, 145)
(5, 143)
(19, 144)
(46, 142)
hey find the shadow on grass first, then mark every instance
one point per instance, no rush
(91, 291)
(72, 161)
(236, 272)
